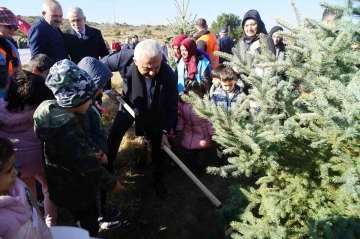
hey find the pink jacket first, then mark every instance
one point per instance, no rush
(197, 132)
(18, 127)
(16, 218)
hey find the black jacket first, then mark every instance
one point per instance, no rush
(43, 38)
(92, 45)
(120, 61)
(164, 106)
(225, 45)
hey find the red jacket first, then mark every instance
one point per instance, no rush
(197, 132)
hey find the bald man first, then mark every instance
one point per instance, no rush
(45, 35)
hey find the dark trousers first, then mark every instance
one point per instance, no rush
(197, 157)
(88, 219)
(122, 122)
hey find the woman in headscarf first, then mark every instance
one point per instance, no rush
(176, 45)
(278, 40)
(253, 26)
(193, 65)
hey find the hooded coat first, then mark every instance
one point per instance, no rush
(91, 120)
(245, 42)
(72, 170)
(16, 218)
(18, 127)
(280, 48)
(197, 132)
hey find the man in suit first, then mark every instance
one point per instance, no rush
(150, 88)
(82, 40)
(45, 36)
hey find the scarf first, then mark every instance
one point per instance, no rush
(176, 42)
(190, 60)
(144, 117)
(253, 14)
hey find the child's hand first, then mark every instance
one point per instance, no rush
(118, 188)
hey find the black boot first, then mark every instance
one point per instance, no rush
(160, 189)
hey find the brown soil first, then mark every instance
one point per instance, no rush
(185, 213)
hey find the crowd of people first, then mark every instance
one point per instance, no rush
(52, 139)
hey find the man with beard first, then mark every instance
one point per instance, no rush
(45, 36)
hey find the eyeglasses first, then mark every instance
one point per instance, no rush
(77, 20)
(250, 25)
(14, 27)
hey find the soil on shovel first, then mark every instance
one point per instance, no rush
(185, 213)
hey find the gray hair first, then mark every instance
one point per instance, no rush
(50, 4)
(147, 48)
(75, 10)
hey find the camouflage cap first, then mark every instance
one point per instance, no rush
(71, 86)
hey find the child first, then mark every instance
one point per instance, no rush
(18, 218)
(215, 74)
(26, 92)
(197, 132)
(73, 171)
(227, 93)
(92, 123)
(40, 65)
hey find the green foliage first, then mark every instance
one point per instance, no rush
(183, 23)
(232, 21)
(301, 137)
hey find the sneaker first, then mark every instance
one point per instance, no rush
(111, 213)
(108, 225)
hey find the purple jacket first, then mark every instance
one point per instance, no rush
(16, 218)
(197, 132)
(18, 127)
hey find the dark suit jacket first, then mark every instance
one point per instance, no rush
(164, 101)
(92, 45)
(45, 39)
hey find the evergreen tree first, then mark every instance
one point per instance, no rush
(299, 139)
(183, 23)
(232, 21)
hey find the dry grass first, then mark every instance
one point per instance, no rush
(117, 31)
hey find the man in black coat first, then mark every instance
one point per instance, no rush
(150, 88)
(82, 40)
(225, 43)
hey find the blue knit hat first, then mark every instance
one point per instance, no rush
(96, 69)
(71, 85)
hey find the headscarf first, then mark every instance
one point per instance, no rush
(190, 60)
(253, 14)
(275, 29)
(176, 42)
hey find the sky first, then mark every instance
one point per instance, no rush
(157, 12)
